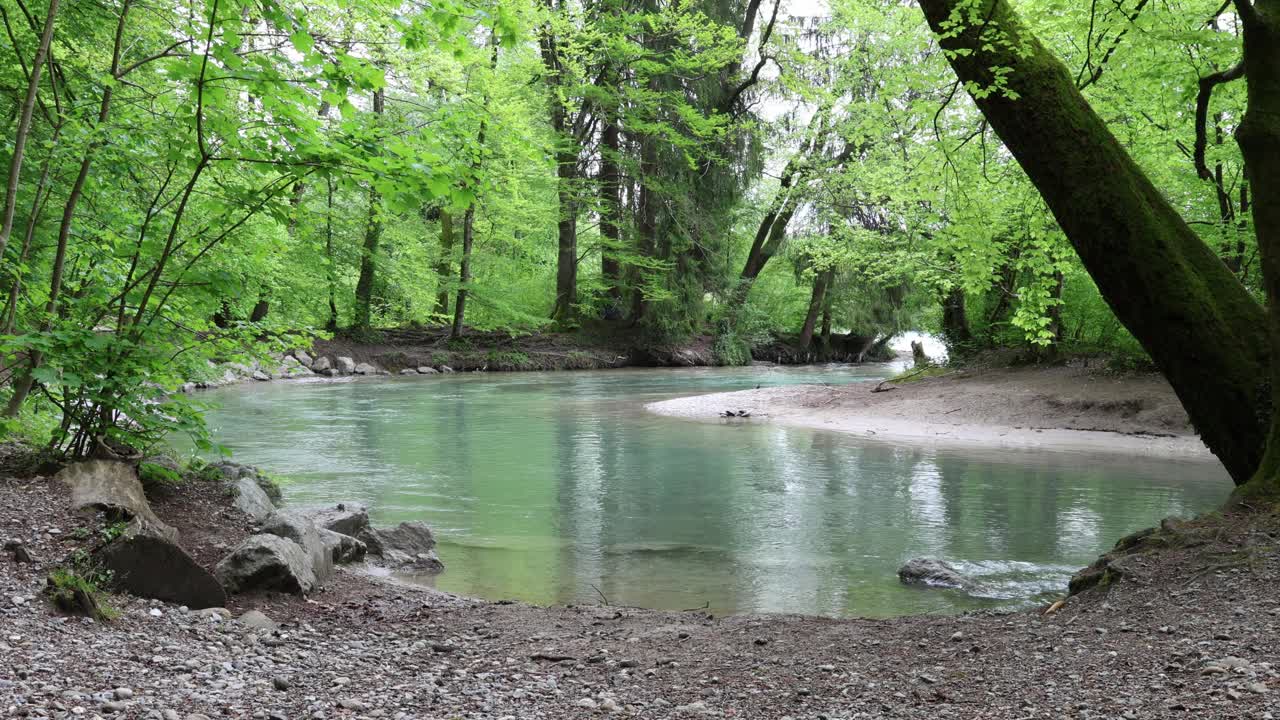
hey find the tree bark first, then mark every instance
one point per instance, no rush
(562, 311)
(955, 321)
(372, 235)
(1200, 326)
(817, 300)
(444, 264)
(331, 272)
(611, 213)
(1259, 137)
(24, 127)
(25, 381)
(469, 217)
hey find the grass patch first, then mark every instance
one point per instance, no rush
(77, 588)
(914, 374)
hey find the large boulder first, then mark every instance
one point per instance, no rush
(321, 365)
(252, 500)
(303, 357)
(345, 365)
(348, 518)
(291, 367)
(112, 487)
(267, 562)
(409, 544)
(298, 526)
(342, 549)
(932, 572)
(235, 471)
(146, 562)
(369, 369)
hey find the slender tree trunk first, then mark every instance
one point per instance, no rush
(562, 311)
(469, 217)
(372, 235)
(24, 127)
(816, 302)
(444, 264)
(1199, 324)
(566, 242)
(331, 268)
(646, 225)
(464, 274)
(40, 197)
(26, 381)
(1259, 137)
(611, 212)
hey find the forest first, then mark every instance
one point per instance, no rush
(197, 180)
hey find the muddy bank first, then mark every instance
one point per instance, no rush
(584, 350)
(1188, 632)
(1060, 408)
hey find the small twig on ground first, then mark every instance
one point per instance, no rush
(602, 597)
(705, 606)
(550, 657)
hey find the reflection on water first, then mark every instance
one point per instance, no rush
(554, 488)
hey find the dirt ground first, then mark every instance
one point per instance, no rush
(1045, 407)
(1190, 631)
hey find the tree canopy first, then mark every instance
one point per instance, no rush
(190, 181)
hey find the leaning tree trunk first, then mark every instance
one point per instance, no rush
(816, 302)
(1259, 139)
(1201, 327)
(24, 127)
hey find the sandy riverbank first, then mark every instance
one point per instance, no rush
(1059, 408)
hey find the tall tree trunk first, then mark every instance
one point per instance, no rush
(566, 241)
(1200, 326)
(464, 273)
(562, 310)
(24, 127)
(817, 301)
(1259, 139)
(372, 235)
(331, 271)
(611, 212)
(444, 264)
(646, 224)
(955, 321)
(469, 217)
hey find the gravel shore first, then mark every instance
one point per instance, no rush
(1190, 632)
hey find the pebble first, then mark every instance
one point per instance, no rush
(280, 683)
(586, 703)
(156, 612)
(123, 693)
(352, 704)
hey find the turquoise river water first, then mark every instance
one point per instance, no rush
(560, 488)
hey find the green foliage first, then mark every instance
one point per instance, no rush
(78, 586)
(235, 167)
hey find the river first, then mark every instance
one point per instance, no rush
(560, 488)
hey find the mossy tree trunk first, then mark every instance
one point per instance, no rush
(1200, 326)
(1259, 139)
